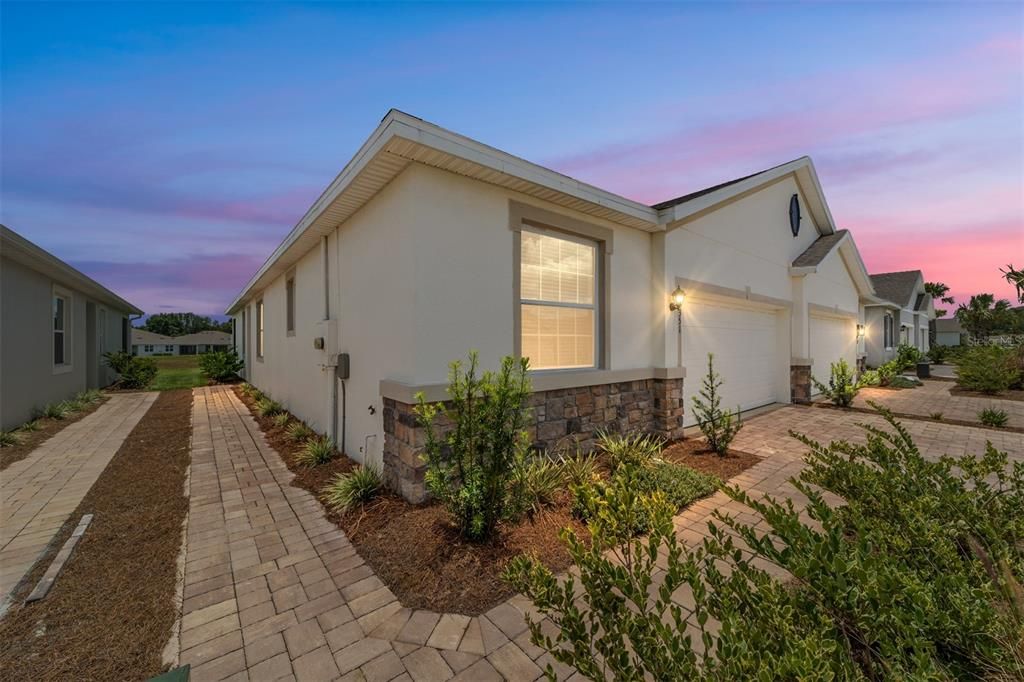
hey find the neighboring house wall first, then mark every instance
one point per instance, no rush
(947, 338)
(878, 352)
(28, 377)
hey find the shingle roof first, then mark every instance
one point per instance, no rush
(708, 190)
(817, 251)
(144, 336)
(897, 287)
(205, 337)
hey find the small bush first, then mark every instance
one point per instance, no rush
(991, 416)
(470, 468)
(842, 387)
(281, 419)
(718, 426)
(265, 407)
(632, 450)
(888, 371)
(579, 469)
(298, 432)
(317, 451)
(936, 416)
(938, 353)
(680, 484)
(135, 372)
(59, 410)
(31, 425)
(358, 486)
(869, 377)
(907, 356)
(535, 482)
(220, 365)
(9, 439)
(90, 397)
(988, 369)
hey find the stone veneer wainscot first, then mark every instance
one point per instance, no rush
(560, 417)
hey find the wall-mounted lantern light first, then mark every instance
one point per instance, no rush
(860, 332)
(677, 299)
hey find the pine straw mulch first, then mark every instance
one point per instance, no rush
(30, 440)
(696, 454)
(417, 553)
(111, 611)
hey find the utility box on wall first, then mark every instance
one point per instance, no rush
(327, 337)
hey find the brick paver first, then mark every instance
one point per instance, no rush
(934, 397)
(273, 590)
(38, 493)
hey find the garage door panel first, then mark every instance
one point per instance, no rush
(832, 338)
(744, 342)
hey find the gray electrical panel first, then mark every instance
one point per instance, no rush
(342, 370)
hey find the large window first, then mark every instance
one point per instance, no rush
(61, 329)
(887, 324)
(259, 328)
(289, 290)
(558, 301)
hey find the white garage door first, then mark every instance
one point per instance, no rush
(832, 338)
(744, 343)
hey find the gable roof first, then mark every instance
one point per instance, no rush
(208, 337)
(897, 287)
(21, 250)
(144, 336)
(819, 250)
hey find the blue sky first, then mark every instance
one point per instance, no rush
(165, 149)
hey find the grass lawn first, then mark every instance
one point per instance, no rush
(177, 371)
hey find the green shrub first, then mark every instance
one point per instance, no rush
(358, 486)
(220, 365)
(90, 397)
(842, 387)
(579, 469)
(917, 575)
(536, 479)
(991, 416)
(281, 420)
(907, 357)
(634, 450)
(888, 371)
(938, 354)
(718, 426)
(319, 450)
(988, 369)
(936, 416)
(471, 466)
(680, 484)
(9, 439)
(266, 407)
(135, 372)
(904, 382)
(58, 410)
(869, 377)
(298, 432)
(30, 425)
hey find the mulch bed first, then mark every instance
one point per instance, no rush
(30, 440)
(111, 611)
(697, 455)
(1013, 394)
(416, 552)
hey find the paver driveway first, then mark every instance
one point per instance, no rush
(38, 493)
(934, 396)
(273, 590)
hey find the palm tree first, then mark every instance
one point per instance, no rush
(983, 315)
(938, 290)
(1016, 278)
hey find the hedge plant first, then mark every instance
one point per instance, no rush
(988, 369)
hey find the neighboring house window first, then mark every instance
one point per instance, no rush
(887, 330)
(61, 329)
(259, 329)
(289, 290)
(148, 348)
(169, 349)
(904, 335)
(557, 298)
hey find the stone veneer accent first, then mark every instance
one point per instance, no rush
(800, 383)
(560, 417)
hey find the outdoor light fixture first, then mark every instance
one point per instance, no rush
(676, 302)
(860, 332)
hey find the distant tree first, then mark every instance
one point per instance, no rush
(1016, 278)
(984, 316)
(938, 290)
(177, 324)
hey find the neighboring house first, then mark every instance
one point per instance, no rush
(56, 325)
(147, 343)
(429, 244)
(899, 315)
(948, 331)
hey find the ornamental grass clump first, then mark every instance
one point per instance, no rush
(915, 575)
(842, 386)
(9, 439)
(718, 426)
(991, 416)
(59, 410)
(280, 420)
(266, 407)
(471, 465)
(297, 432)
(630, 450)
(356, 487)
(319, 450)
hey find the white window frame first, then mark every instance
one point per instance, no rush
(289, 304)
(595, 299)
(261, 324)
(168, 348)
(67, 333)
(147, 348)
(888, 324)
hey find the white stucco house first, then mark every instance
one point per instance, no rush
(428, 244)
(948, 331)
(900, 315)
(145, 342)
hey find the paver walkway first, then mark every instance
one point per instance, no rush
(273, 590)
(934, 397)
(38, 493)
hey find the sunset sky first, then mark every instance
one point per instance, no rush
(165, 149)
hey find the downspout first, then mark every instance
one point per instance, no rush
(332, 359)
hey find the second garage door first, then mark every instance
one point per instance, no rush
(832, 338)
(744, 342)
